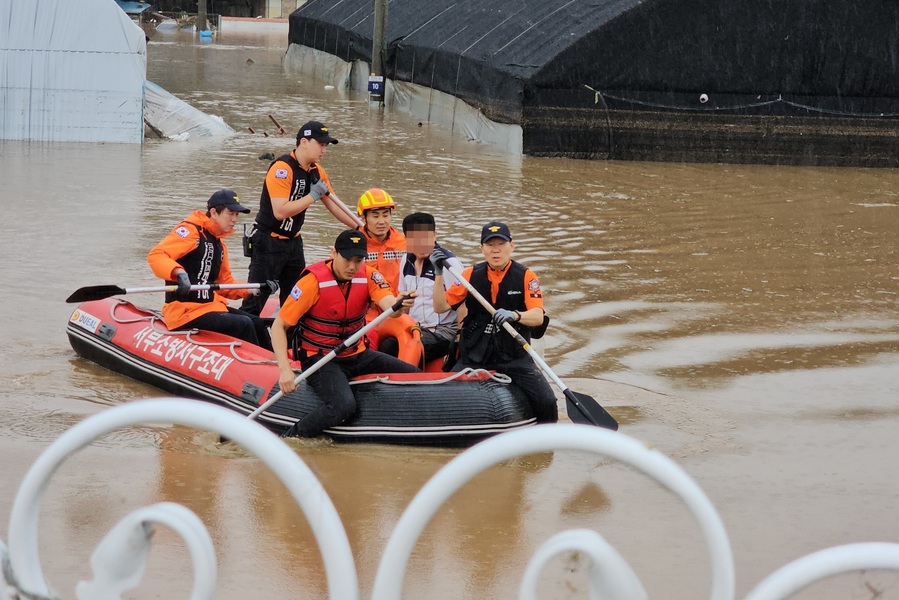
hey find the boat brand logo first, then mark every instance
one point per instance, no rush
(85, 321)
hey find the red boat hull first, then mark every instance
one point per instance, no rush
(424, 409)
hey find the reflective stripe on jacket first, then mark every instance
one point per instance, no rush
(334, 317)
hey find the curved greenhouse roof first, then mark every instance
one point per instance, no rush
(658, 79)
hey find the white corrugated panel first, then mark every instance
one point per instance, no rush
(70, 71)
(173, 118)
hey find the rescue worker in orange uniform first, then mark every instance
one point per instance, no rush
(386, 252)
(514, 291)
(328, 305)
(386, 245)
(293, 183)
(193, 254)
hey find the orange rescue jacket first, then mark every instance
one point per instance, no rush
(163, 259)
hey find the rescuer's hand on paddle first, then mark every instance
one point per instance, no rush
(408, 299)
(183, 285)
(503, 315)
(437, 257)
(269, 287)
(319, 189)
(286, 380)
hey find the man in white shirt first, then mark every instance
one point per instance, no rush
(417, 273)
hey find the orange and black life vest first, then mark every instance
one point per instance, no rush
(302, 181)
(334, 317)
(482, 342)
(202, 265)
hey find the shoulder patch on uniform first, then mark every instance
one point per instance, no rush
(182, 231)
(280, 173)
(534, 285)
(378, 279)
(296, 292)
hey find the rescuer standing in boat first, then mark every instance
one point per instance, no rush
(293, 183)
(193, 254)
(328, 305)
(514, 291)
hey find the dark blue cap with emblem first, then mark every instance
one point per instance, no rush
(495, 229)
(351, 243)
(228, 199)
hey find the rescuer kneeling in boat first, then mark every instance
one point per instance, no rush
(193, 254)
(328, 305)
(514, 291)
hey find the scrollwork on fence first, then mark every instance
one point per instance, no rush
(119, 560)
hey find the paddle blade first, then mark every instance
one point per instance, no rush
(585, 410)
(96, 292)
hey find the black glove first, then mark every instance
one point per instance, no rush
(319, 189)
(503, 315)
(183, 285)
(269, 287)
(437, 257)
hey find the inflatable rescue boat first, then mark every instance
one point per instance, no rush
(437, 409)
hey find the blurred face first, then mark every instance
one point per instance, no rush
(498, 252)
(420, 242)
(377, 221)
(225, 220)
(346, 268)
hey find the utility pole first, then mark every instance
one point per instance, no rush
(378, 53)
(201, 15)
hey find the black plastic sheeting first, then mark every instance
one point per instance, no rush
(584, 62)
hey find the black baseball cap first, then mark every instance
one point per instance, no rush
(495, 229)
(228, 199)
(316, 131)
(351, 243)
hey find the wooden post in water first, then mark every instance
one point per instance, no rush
(201, 16)
(379, 49)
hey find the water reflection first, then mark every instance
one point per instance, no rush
(750, 311)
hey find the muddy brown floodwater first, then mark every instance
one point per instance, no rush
(741, 319)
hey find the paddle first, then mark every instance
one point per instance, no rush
(346, 209)
(581, 408)
(98, 292)
(347, 343)
(340, 203)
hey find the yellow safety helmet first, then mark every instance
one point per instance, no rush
(374, 198)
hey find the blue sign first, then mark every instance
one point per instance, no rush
(376, 84)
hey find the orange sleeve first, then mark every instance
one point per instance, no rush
(533, 295)
(378, 287)
(163, 257)
(279, 187)
(303, 295)
(457, 292)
